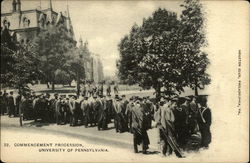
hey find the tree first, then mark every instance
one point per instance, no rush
(74, 65)
(166, 53)
(62, 77)
(19, 66)
(193, 40)
(148, 55)
(51, 46)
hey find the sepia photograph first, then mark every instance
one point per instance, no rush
(124, 81)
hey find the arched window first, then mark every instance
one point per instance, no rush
(26, 22)
(6, 23)
(41, 21)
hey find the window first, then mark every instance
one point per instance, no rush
(26, 22)
(6, 23)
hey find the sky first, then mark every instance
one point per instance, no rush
(102, 23)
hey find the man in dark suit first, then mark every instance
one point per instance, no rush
(4, 102)
(118, 114)
(73, 110)
(149, 111)
(108, 90)
(96, 109)
(1, 102)
(129, 107)
(43, 108)
(124, 103)
(105, 113)
(18, 100)
(204, 121)
(110, 109)
(85, 106)
(180, 122)
(52, 108)
(140, 135)
(11, 104)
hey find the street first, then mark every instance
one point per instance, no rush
(95, 144)
(115, 143)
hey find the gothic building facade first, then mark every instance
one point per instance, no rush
(92, 65)
(24, 25)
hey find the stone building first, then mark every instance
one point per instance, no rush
(92, 63)
(97, 68)
(24, 25)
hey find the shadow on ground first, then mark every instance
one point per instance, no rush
(58, 91)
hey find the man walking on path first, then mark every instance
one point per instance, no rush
(140, 135)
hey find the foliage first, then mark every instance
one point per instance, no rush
(62, 77)
(193, 39)
(166, 53)
(51, 45)
(74, 64)
(20, 66)
(148, 54)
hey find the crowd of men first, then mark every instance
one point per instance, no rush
(183, 123)
(90, 89)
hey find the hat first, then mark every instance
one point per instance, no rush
(94, 96)
(162, 99)
(63, 96)
(86, 97)
(175, 99)
(186, 98)
(139, 98)
(123, 95)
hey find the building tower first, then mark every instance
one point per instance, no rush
(50, 5)
(18, 6)
(14, 6)
(80, 42)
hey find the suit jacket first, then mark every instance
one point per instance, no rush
(167, 117)
(138, 117)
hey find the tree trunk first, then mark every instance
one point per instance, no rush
(158, 93)
(47, 85)
(53, 86)
(196, 90)
(78, 84)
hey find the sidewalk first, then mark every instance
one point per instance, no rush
(91, 134)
